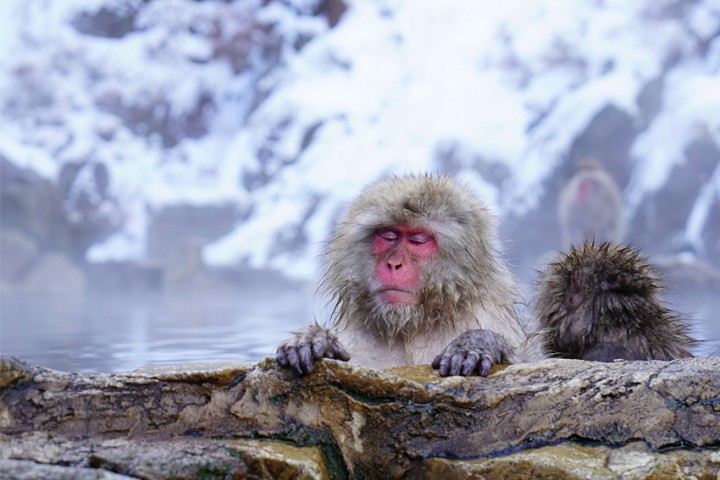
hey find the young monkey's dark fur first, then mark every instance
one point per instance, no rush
(602, 302)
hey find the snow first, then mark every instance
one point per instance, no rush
(700, 213)
(691, 107)
(511, 83)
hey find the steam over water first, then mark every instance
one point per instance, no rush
(113, 332)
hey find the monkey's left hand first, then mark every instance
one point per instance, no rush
(474, 350)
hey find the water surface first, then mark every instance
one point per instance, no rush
(120, 331)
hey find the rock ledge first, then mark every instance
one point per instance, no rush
(553, 419)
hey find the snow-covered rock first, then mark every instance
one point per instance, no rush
(268, 109)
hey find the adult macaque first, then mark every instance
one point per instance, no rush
(590, 207)
(602, 302)
(411, 267)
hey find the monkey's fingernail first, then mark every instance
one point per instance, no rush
(485, 365)
(436, 362)
(293, 360)
(469, 364)
(305, 354)
(340, 352)
(456, 363)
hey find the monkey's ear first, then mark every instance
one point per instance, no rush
(574, 294)
(581, 321)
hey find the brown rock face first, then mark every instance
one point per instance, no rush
(553, 419)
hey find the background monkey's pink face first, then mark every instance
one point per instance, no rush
(585, 189)
(400, 254)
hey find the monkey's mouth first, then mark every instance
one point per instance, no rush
(396, 296)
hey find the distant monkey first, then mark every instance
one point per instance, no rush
(602, 302)
(590, 207)
(411, 267)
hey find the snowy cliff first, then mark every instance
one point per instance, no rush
(264, 108)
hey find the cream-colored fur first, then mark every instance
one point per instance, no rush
(465, 286)
(369, 350)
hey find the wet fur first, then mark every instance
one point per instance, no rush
(603, 301)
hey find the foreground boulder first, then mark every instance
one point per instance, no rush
(553, 419)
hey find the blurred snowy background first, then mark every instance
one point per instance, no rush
(208, 146)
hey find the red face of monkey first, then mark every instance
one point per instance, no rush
(400, 254)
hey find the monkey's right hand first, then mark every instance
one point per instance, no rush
(300, 351)
(473, 350)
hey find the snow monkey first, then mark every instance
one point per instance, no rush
(602, 302)
(415, 278)
(590, 207)
(411, 267)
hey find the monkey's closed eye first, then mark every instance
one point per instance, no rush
(388, 235)
(419, 238)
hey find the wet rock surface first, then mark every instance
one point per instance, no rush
(553, 419)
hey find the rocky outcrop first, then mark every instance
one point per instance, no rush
(553, 419)
(46, 226)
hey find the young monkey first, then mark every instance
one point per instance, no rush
(602, 302)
